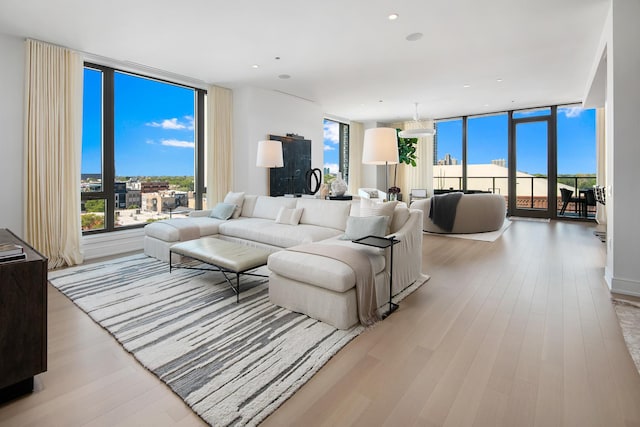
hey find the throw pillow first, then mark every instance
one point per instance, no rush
(359, 227)
(290, 216)
(370, 207)
(223, 211)
(235, 199)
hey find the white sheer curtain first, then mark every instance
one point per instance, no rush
(219, 162)
(356, 142)
(53, 145)
(421, 176)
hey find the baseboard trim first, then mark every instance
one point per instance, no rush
(625, 287)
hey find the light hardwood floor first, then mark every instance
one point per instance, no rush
(517, 332)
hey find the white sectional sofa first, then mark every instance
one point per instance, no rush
(316, 286)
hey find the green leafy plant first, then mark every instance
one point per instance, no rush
(407, 148)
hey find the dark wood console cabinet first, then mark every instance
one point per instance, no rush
(23, 319)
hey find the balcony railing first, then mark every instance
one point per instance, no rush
(531, 190)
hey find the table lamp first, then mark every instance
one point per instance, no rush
(269, 154)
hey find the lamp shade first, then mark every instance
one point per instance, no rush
(269, 154)
(380, 146)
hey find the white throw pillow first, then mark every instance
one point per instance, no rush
(290, 216)
(235, 199)
(359, 227)
(370, 207)
(223, 211)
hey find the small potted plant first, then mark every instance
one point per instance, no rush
(393, 193)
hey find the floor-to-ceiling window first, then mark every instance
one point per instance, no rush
(576, 158)
(336, 150)
(487, 153)
(447, 155)
(139, 150)
(535, 154)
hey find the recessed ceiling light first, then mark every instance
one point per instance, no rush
(414, 36)
(276, 58)
(393, 16)
(284, 76)
(499, 80)
(466, 86)
(486, 105)
(380, 100)
(255, 66)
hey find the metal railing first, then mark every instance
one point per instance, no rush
(531, 190)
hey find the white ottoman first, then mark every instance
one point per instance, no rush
(321, 287)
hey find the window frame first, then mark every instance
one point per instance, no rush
(107, 192)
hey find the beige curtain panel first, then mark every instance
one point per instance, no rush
(219, 162)
(356, 142)
(421, 176)
(53, 144)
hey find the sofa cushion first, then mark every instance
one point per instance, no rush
(372, 208)
(268, 207)
(400, 216)
(320, 271)
(180, 229)
(359, 227)
(289, 216)
(223, 210)
(324, 213)
(249, 203)
(270, 233)
(235, 199)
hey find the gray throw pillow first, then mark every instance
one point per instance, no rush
(223, 211)
(363, 226)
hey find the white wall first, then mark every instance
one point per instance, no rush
(11, 136)
(623, 98)
(622, 103)
(258, 113)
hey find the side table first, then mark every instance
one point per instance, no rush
(383, 243)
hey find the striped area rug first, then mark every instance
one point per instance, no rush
(232, 363)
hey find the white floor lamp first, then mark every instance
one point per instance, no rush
(381, 148)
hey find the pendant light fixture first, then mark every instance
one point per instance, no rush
(418, 132)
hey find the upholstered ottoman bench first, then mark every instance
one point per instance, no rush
(320, 287)
(227, 257)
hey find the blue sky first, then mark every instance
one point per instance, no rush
(154, 132)
(488, 138)
(331, 145)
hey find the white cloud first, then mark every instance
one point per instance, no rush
(173, 124)
(177, 143)
(189, 120)
(333, 167)
(329, 148)
(571, 112)
(150, 141)
(331, 132)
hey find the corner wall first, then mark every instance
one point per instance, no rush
(11, 139)
(623, 101)
(258, 113)
(618, 54)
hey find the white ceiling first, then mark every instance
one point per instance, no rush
(344, 54)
